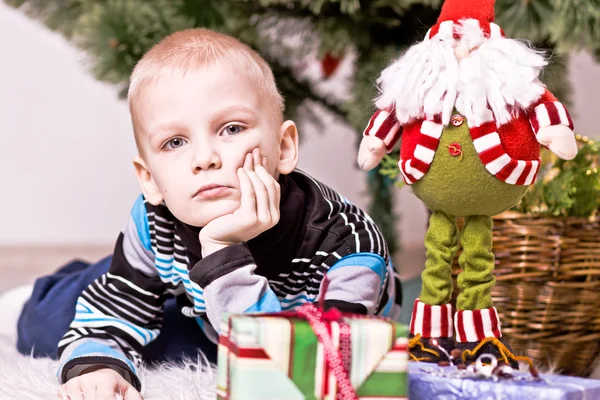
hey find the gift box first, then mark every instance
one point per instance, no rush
(305, 354)
(429, 381)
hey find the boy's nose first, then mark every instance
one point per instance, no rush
(205, 158)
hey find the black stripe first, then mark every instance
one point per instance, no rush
(344, 306)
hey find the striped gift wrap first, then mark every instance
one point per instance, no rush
(279, 357)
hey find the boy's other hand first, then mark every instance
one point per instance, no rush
(258, 212)
(99, 384)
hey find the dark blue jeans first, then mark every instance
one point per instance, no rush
(48, 313)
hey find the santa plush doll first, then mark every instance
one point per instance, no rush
(471, 113)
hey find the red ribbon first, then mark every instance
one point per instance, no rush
(338, 361)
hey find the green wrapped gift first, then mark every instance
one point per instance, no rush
(279, 356)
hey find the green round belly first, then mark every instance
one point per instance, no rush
(461, 186)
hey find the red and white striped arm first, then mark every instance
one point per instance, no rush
(431, 321)
(476, 325)
(383, 124)
(548, 112)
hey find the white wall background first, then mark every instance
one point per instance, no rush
(66, 144)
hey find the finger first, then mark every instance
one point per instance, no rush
(248, 162)
(106, 391)
(88, 388)
(277, 186)
(63, 392)
(132, 394)
(71, 391)
(248, 198)
(256, 156)
(272, 190)
(262, 197)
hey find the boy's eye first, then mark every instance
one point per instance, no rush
(233, 130)
(174, 143)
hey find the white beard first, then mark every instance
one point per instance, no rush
(496, 81)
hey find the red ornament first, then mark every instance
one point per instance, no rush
(329, 63)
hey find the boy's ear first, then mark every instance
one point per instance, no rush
(149, 188)
(288, 148)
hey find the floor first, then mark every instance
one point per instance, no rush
(22, 264)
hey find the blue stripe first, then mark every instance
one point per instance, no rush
(298, 298)
(140, 218)
(89, 348)
(388, 307)
(267, 303)
(145, 333)
(168, 269)
(165, 260)
(373, 261)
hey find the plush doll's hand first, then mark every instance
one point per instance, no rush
(258, 212)
(559, 139)
(371, 151)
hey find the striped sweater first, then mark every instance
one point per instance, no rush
(320, 233)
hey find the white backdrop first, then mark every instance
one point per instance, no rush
(66, 144)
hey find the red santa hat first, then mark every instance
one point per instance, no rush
(479, 12)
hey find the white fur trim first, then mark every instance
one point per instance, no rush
(534, 167)
(516, 174)
(424, 154)
(427, 34)
(446, 28)
(432, 129)
(495, 166)
(495, 31)
(486, 142)
(471, 23)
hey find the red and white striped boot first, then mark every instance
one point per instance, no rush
(478, 332)
(431, 332)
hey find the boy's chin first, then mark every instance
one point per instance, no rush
(204, 216)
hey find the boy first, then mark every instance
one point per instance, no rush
(225, 223)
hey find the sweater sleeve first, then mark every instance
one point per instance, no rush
(120, 312)
(383, 125)
(548, 111)
(230, 285)
(357, 283)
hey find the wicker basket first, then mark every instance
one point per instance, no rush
(548, 289)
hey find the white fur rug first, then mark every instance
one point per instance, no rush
(26, 378)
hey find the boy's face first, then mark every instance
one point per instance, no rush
(194, 132)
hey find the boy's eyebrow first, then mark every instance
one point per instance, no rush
(168, 126)
(238, 108)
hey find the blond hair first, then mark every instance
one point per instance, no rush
(191, 49)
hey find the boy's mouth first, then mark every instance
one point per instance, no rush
(211, 191)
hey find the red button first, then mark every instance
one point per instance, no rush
(455, 149)
(457, 120)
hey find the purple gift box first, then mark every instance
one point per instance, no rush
(429, 382)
